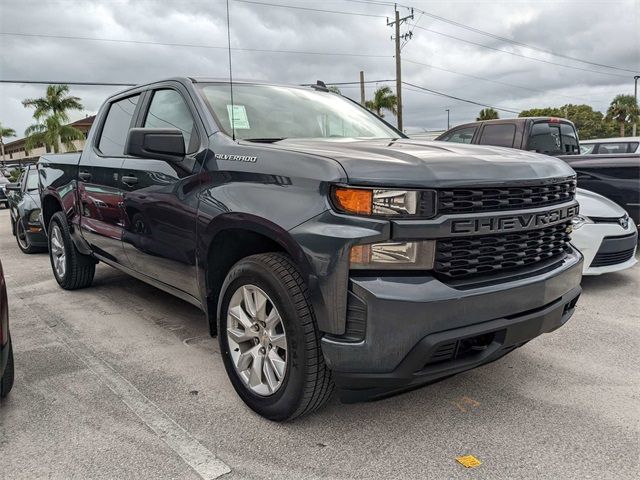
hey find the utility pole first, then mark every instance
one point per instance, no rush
(448, 127)
(397, 37)
(635, 95)
(362, 99)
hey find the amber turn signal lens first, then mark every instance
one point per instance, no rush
(354, 200)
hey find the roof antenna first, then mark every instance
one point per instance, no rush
(233, 113)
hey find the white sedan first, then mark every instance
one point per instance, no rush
(604, 234)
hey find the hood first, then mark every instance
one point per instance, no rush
(594, 205)
(416, 163)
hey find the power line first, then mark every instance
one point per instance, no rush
(119, 84)
(490, 80)
(518, 54)
(498, 37)
(55, 82)
(453, 97)
(359, 14)
(433, 31)
(144, 42)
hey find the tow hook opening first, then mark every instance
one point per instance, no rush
(473, 345)
(462, 348)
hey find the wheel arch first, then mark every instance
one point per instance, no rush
(233, 236)
(50, 205)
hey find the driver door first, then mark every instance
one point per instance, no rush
(159, 198)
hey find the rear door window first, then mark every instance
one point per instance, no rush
(499, 135)
(116, 126)
(462, 135)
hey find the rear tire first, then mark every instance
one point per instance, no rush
(303, 382)
(72, 269)
(6, 383)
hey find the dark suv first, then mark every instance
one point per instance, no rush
(324, 246)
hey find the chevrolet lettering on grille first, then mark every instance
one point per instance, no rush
(513, 223)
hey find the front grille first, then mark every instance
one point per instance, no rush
(607, 259)
(472, 200)
(465, 257)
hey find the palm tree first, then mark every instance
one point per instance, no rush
(383, 99)
(623, 109)
(488, 114)
(51, 114)
(5, 132)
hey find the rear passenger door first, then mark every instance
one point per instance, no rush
(160, 197)
(99, 180)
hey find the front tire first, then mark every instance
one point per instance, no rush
(72, 269)
(269, 340)
(23, 239)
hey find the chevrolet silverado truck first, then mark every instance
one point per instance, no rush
(614, 174)
(325, 248)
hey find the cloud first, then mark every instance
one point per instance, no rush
(603, 32)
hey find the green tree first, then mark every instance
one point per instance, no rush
(51, 115)
(589, 122)
(383, 99)
(488, 114)
(623, 111)
(5, 132)
(334, 89)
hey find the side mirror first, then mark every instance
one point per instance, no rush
(12, 187)
(156, 143)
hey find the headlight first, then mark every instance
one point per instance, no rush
(379, 202)
(579, 220)
(394, 255)
(34, 216)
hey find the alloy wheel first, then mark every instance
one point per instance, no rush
(257, 340)
(58, 253)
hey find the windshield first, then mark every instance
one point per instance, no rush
(553, 138)
(270, 113)
(32, 180)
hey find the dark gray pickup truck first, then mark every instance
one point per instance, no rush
(324, 246)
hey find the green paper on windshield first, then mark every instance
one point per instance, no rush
(238, 117)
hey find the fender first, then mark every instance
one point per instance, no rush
(251, 223)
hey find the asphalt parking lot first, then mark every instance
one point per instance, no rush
(122, 381)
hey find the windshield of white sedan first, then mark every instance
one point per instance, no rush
(271, 113)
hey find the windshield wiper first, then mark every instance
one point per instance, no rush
(264, 140)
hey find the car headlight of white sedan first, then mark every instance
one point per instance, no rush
(580, 220)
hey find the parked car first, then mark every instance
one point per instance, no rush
(324, 246)
(24, 203)
(609, 146)
(3, 194)
(6, 350)
(615, 176)
(604, 234)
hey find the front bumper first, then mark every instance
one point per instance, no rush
(36, 235)
(419, 329)
(608, 240)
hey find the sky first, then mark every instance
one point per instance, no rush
(337, 45)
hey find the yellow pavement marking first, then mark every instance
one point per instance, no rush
(468, 461)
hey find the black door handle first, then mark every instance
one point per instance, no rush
(85, 176)
(129, 180)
